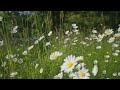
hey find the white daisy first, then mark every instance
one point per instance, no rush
(1, 75)
(82, 74)
(14, 59)
(115, 54)
(3, 64)
(20, 61)
(93, 36)
(98, 47)
(106, 61)
(86, 38)
(36, 42)
(13, 74)
(14, 30)
(79, 66)
(118, 73)
(47, 44)
(10, 56)
(55, 55)
(104, 72)
(94, 31)
(95, 61)
(106, 56)
(59, 76)
(100, 37)
(80, 58)
(24, 53)
(115, 74)
(89, 54)
(71, 75)
(95, 70)
(117, 51)
(41, 38)
(119, 29)
(41, 70)
(69, 64)
(1, 43)
(1, 18)
(111, 40)
(117, 35)
(73, 25)
(108, 31)
(56, 37)
(50, 33)
(66, 32)
(76, 31)
(29, 48)
(114, 45)
(36, 66)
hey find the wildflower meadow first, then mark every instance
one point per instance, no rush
(31, 49)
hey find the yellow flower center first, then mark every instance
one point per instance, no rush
(55, 56)
(82, 74)
(69, 65)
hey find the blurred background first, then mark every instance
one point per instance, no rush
(33, 22)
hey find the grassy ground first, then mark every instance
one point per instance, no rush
(28, 57)
(39, 56)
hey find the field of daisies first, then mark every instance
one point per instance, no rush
(59, 55)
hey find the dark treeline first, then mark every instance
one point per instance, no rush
(61, 20)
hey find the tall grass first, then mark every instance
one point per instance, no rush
(31, 28)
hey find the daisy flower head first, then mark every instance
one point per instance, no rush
(14, 30)
(71, 75)
(3, 64)
(117, 35)
(1, 18)
(79, 66)
(29, 48)
(36, 65)
(69, 64)
(95, 70)
(94, 31)
(82, 74)
(95, 61)
(13, 74)
(20, 61)
(114, 45)
(118, 73)
(73, 25)
(80, 58)
(115, 54)
(108, 31)
(55, 55)
(104, 72)
(47, 44)
(106, 56)
(25, 52)
(111, 40)
(50, 33)
(67, 32)
(1, 43)
(114, 74)
(59, 76)
(36, 42)
(117, 51)
(98, 47)
(41, 70)
(41, 38)
(119, 29)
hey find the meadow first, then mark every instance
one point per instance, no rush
(30, 53)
